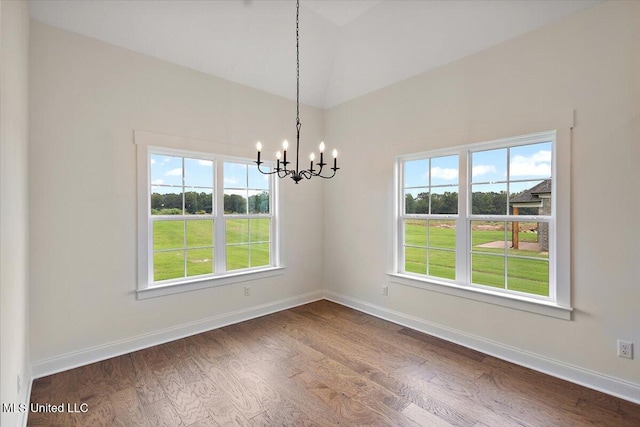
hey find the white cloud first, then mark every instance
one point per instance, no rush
(205, 163)
(153, 161)
(157, 182)
(174, 172)
(228, 180)
(444, 173)
(483, 170)
(537, 164)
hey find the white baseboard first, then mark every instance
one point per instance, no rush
(95, 354)
(25, 397)
(594, 380)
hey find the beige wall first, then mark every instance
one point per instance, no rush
(87, 97)
(589, 62)
(14, 353)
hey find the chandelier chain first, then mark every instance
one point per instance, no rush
(298, 124)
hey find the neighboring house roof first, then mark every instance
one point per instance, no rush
(532, 195)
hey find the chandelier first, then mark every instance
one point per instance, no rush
(281, 166)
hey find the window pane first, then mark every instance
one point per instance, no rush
(444, 170)
(258, 180)
(442, 234)
(198, 201)
(415, 232)
(416, 173)
(166, 200)
(416, 201)
(444, 200)
(528, 275)
(259, 229)
(489, 166)
(237, 230)
(199, 233)
(166, 170)
(198, 173)
(487, 270)
(235, 175)
(168, 265)
(199, 261)
(235, 202)
(442, 264)
(489, 199)
(258, 201)
(530, 161)
(259, 254)
(488, 236)
(237, 257)
(531, 239)
(415, 260)
(168, 235)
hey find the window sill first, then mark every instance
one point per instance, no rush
(512, 301)
(207, 282)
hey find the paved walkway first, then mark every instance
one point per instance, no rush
(526, 246)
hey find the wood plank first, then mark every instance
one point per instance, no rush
(145, 383)
(161, 414)
(424, 417)
(220, 406)
(128, 409)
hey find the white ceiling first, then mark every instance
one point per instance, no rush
(347, 48)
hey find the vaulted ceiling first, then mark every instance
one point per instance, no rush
(347, 48)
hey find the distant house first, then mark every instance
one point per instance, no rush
(538, 196)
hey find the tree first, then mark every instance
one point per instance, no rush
(234, 203)
(259, 203)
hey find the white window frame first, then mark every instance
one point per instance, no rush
(147, 288)
(557, 304)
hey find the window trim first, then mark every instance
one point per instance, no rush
(558, 302)
(146, 288)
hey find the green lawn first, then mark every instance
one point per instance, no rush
(247, 246)
(489, 265)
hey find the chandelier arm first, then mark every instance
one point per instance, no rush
(263, 172)
(329, 177)
(285, 173)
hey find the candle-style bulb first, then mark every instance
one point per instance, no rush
(259, 146)
(278, 155)
(285, 144)
(312, 156)
(335, 153)
(322, 147)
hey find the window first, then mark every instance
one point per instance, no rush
(481, 218)
(205, 217)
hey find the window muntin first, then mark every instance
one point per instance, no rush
(508, 187)
(183, 217)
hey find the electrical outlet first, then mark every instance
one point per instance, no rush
(625, 349)
(385, 290)
(19, 385)
(247, 291)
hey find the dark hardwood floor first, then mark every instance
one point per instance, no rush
(319, 364)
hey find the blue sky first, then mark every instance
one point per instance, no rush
(167, 170)
(529, 163)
